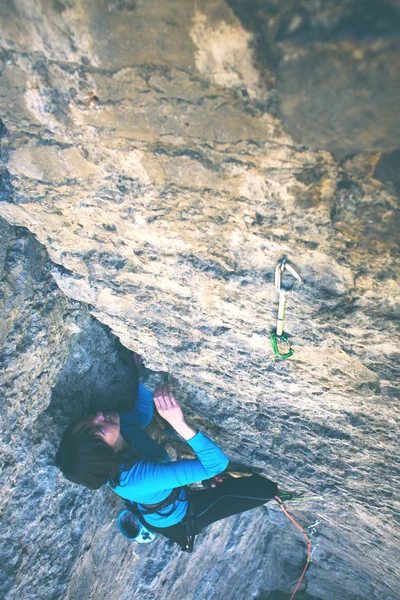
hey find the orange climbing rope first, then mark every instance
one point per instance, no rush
(303, 531)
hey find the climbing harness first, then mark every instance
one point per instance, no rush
(278, 337)
(151, 509)
(306, 535)
(190, 520)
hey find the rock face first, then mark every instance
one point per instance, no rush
(336, 67)
(158, 159)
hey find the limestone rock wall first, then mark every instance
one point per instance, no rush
(165, 156)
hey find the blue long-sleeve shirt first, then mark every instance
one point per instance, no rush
(154, 476)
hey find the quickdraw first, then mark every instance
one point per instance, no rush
(307, 537)
(278, 336)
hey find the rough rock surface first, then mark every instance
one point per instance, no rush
(165, 156)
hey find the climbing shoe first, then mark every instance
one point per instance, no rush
(133, 529)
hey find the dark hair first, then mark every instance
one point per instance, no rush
(84, 458)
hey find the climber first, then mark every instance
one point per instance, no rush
(111, 448)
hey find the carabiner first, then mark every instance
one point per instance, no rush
(275, 348)
(282, 266)
(282, 290)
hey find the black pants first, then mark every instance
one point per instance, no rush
(230, 497)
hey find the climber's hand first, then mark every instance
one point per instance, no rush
(169, 409)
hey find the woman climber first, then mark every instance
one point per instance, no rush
(112, 448)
